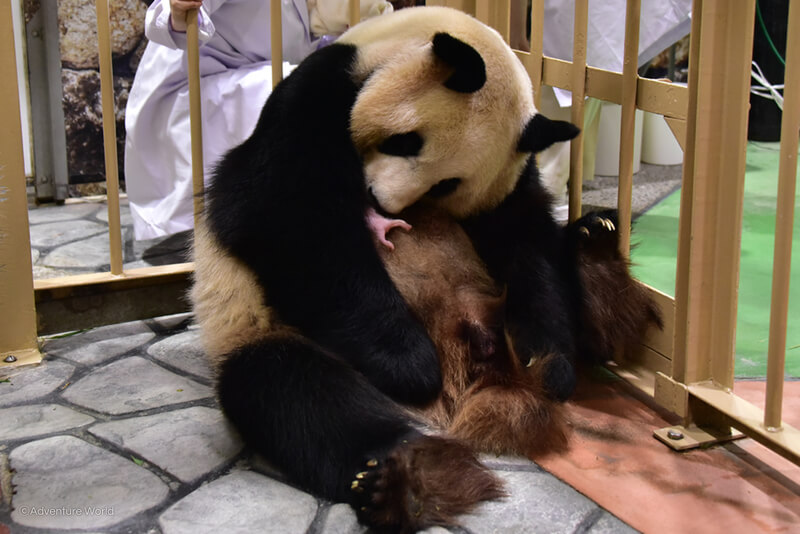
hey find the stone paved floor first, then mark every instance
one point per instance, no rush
(73, 239)
(118, 432)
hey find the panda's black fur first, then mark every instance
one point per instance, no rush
(316, 351)
(326, 281)
(525, 248)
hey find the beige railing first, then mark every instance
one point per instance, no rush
(688, 367)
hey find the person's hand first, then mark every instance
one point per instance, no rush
(178, 10)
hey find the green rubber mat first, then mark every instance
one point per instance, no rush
(654, 257)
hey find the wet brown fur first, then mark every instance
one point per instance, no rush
(489, 399)
(617, 310)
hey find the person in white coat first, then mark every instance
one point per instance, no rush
(235, 80)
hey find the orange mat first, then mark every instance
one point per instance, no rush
(615, 461)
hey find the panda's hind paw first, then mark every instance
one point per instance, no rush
(422, 482)
(375, 498)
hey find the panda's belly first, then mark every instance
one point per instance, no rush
(227, 299)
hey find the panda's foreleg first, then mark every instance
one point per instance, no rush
(524, 249)
(335, 434)
(616, 310)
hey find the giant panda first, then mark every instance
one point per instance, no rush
(490, 399)
(317, 353)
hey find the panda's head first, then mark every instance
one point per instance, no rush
(445, 111)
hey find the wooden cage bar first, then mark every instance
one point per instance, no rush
(715, 218)
(354, 10)
(18, 341)
(276, 42)
(195, 112)
(782, 263)
(109, 135)
(533, 61)
(684, 222)
(495, 13)
(630, 77)
(578, 88)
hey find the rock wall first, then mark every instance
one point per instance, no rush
(80, 77)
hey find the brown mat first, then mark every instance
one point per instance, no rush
(615, 461)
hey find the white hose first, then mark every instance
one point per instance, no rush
(765, 89)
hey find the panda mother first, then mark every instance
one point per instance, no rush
(314, 347)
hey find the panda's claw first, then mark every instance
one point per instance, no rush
(372, 463)
(608, 224)
(584, 230)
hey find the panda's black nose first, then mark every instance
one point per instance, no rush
(444, 188)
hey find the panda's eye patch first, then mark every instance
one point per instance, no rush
(444, 188)
(403, 145)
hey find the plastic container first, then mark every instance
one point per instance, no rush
(607, 157)
(659, 145)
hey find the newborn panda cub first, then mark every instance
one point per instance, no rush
(490, 399)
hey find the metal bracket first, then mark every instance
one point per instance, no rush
(681, 438)
(19, 358)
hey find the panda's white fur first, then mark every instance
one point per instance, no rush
(471, 136)
(225, 283)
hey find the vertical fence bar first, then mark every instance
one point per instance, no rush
(467, 6)
(630, 78)
(679, 363)
(109, 135)
(354, 7)
(495, 13)
(536, 39)
(17, 311)
(782, 266)
(578, 98)
(483, 11)
(195, 113)
(276, 41)
(720, 139)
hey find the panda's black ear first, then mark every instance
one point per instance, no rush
(470, 71)
(541, 132)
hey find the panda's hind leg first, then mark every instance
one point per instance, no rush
(333, 433)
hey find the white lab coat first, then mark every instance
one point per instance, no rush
(235, 79)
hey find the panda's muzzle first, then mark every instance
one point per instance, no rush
(443, 188)
(372, 200)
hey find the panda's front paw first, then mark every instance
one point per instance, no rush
(596, 233)
(595, 224)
